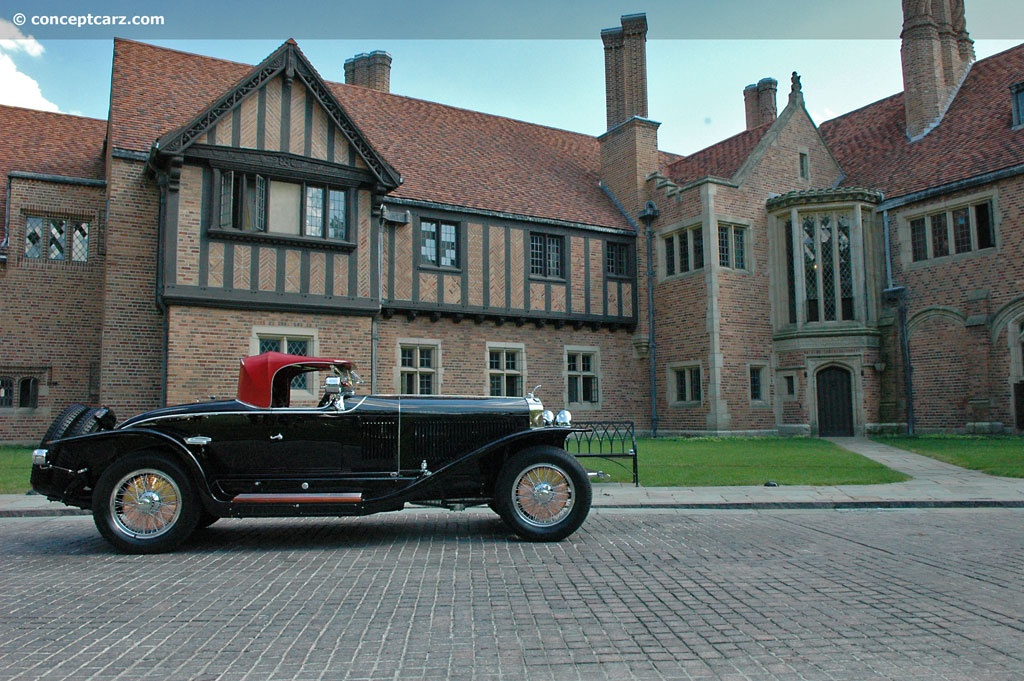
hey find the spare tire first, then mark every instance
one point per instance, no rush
(63, 422)
(93, 420)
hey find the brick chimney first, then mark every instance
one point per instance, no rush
(936, 54)
(625, 69)
(371, 70)
(759, 102)
(629, 149)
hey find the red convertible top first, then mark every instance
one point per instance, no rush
(265, 380)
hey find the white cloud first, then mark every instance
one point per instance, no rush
(13, 40)
(17, 88)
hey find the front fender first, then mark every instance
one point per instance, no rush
(488, 460)
(75, 464)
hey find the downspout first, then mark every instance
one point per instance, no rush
(158, 294)
(7, 222)
(898, 294)
(375, 320)
(162, 182)
(648, 215)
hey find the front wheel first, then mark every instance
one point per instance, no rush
(543, 494)
(145, 503)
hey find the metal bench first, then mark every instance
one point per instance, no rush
(612, 440)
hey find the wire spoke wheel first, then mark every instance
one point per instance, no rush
(543, 495)
(145, 504)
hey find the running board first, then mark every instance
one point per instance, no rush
(329, 498)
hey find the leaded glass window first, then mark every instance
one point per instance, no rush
(687, 381)
(670, 255)
(58, 243)
(698, 247)
(79, 242)
(844, 254)
(546, 256)
(940, 236)
(826, 245)
(314, 223)
(828, 270)
(34, 238)
(243, 202)
(756, 384)
(255, 203)
(56, 239)
(684, 251)
(337, 227)
(439, 243)
(984, 229)
(790, 272)
(732, 246)
(6, 392)
(810, 252)
(961, 229)
(918, 240)
(724, 243)
(616, 259)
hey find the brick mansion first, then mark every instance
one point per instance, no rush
(858, 275)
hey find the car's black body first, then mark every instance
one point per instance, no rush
(154, 478)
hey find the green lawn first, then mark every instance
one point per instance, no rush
(692, 462)
(15, 464)
(702, 462)
(989, 454)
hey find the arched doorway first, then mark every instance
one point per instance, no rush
(835, 402)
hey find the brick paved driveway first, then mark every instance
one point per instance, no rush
(434, 595)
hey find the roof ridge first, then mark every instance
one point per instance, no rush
(370, 91)
(52, 113)
(454, 107)
(183, 52)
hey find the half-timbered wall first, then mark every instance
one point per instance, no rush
(489, 272)
(281, 138)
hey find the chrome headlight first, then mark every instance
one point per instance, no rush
(564, 419)
(39, 457)
(548, 417)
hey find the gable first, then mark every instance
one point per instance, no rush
(771, 148)
(282, 118)
(283, 106)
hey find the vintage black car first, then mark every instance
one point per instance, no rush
(153, 479)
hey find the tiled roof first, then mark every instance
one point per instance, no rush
(975, 136)
(48, 144)
(444, 154)
(719, 160)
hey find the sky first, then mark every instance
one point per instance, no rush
(540, 61)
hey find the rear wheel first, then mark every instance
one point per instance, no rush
(543, 494)
(145, 503)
